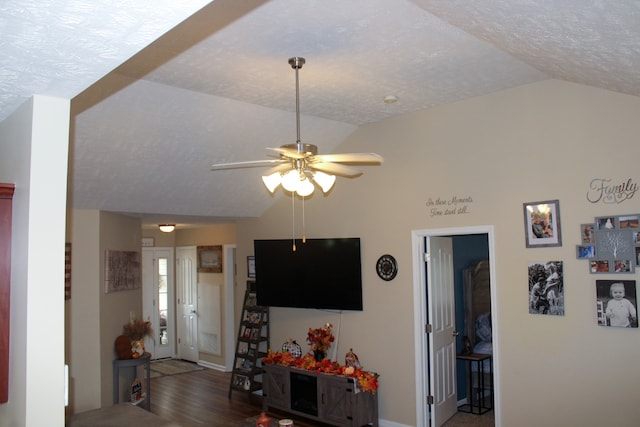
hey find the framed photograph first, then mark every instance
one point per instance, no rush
(585, 251)
(616, 303)
(617, 246)
(586, 233)
(629, 221)
(599, 266)
(251, 266)
(542, 224)
(546, 288)
(209, 259)
(246, 333)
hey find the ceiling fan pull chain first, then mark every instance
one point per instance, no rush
(293, 224)
(304, 237)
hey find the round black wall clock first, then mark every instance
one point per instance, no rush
(387, 267)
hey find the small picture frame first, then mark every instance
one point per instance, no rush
(209, 259)
(247, 332)
(587, 235)
(542, 224)
(585, 251)
(251, 266)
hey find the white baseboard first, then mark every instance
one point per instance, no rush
(212, 366)
(385, 423)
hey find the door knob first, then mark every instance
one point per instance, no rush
(456, 333)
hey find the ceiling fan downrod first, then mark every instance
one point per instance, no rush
(297, 63)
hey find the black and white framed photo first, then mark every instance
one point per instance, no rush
(542, 224)
(251, 267)
(546, 288)
(616, 303)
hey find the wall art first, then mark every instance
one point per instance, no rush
(615, 245)
(542, 224)
(121, 271)
(209, 259)
(251, 266)
(616, 303)
(67, 271)
(546, 288)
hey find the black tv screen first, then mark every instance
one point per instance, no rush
(320, 273)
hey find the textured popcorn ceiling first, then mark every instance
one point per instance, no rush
(218, 88)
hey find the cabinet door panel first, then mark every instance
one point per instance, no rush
(276, 387)
(336, 399)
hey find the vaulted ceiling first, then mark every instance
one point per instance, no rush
(149, 121)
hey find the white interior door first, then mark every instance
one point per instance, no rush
(157, 301)
(442, 343)
(187, 302)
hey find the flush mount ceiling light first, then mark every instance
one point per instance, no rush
(167, 228)
(299, 168)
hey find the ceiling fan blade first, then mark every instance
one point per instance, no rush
(249, 164)
(288, 152)
(371, 158)
(336, 169)
(280, 168)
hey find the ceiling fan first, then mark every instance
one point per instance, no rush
(298, 166)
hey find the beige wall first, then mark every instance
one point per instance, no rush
(537, 142)
(82, 311)
(33, 155)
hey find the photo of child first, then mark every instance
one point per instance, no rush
(616, 302)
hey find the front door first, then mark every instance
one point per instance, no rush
(187, 302)
(157, 300)
(441, 317)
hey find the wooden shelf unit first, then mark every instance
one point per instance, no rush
(252, 345)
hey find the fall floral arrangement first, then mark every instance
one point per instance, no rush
(136, 330)
(320, 339)
(367, 381)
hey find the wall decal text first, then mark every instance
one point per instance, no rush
(602, 190)
(449, 206)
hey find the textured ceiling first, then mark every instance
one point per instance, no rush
(218, 88)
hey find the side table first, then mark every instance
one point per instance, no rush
(145, 360)
(482, 405)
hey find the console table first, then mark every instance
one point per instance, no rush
(144, 360)
(480, 405)
(330, 399)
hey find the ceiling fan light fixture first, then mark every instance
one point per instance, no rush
(324, 180)
(167, 228)
(290, 180)
(305, 187)
(272, 181)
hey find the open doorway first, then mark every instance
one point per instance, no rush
(435, 359)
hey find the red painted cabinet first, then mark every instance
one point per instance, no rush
(6, 197)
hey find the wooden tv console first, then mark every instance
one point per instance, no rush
(331, 399)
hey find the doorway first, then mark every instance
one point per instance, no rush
(157, 301)
(187, 302)
(425, 295)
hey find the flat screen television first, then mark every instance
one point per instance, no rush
(320, 273)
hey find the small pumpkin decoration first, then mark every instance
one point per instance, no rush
(123, 347)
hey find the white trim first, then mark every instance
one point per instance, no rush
(210, 365)
(419, 311)
(230, 261)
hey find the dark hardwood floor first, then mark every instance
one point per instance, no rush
(199, 399)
